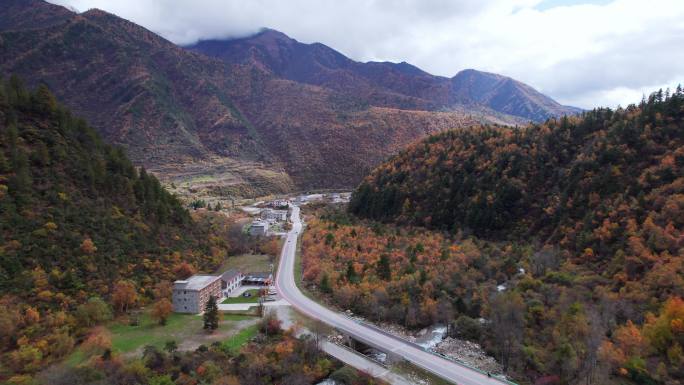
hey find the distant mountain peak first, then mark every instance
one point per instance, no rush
(506, 95)
(406, 68)
(384, 84)
(271, 34)
(97, 12)
(263, 36)
(474, 72)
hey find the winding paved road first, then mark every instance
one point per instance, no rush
(285, 283)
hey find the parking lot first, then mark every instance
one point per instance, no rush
(238, 293)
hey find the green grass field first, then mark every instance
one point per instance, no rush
(247, 263)
(254, 298)
(126, 338)
(179, 327)
(182, 328)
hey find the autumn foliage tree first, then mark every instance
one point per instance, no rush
(184, 270)
(270, 324)
(162, 289)
(161, 310)
(94, 311)
(124, 296)
(88, 246)
(98, 341)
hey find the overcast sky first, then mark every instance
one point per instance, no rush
(581, 52)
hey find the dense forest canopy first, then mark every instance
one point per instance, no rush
(580, 219)
(569, 181)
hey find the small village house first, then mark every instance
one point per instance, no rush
(274, 215)
(231, 280)
(279, 203)
(258, 228)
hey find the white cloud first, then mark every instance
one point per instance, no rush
(585, 53)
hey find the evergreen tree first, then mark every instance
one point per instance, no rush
(445, 254)
(211, 315)
(325, 284)
(171, 346)
(17, 93)
(384, 270)
(351, 273)
(4, 164)
(44, 100)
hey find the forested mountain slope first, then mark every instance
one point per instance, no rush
(78, 220)
(570, 237)
(561, 179)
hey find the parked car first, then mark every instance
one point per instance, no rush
(246, 294)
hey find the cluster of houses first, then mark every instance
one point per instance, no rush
(343, 197)
(269, 216)
(279, 204)
(191, 295)
(340, 197)
(272, 216)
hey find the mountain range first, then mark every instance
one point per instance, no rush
(386, 84)
(246, 116)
